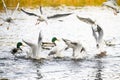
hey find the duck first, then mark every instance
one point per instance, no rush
(78, 49)
(97, 31)
(35, 49)
(17, 49)
(112, 4)
(60, 46)
(41, 18)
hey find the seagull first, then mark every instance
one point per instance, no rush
(77, 47)
(17, 49)
(35, 49)
(41, 18)
(113, 5)
(9, 18)
(96, 29)
(58, 48)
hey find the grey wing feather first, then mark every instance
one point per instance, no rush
(28, 13)
(28, 43)
(86, 20)
(41, 10)
(40, 38)
(59, 15)
(94, 34)
(5, 8)
(16, 7)
(100, 32)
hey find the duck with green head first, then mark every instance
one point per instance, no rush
(15, 50)
(58, 48)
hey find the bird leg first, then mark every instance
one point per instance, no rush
(38, 22)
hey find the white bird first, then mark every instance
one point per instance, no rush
(9, 18)
(41, 18)
(78, 49)
(98, 34)
(58, 48)
(96, 29)
(113, 5)
(35, 48)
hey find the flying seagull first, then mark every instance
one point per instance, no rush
(96, 29)
(35, 49)
(77, 47)
(9, 18)
(41, 18)
(113, 5)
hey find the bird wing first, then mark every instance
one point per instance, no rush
(29, 44)
(100, 32)
(41, 10)
(94, 34)
(5, 8)
(59, 15)
(39, 38)
(69, 43)
(16, 7)
(86, 20)
(111, 4)
(30, 14)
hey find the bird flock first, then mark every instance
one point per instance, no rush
(58, 45)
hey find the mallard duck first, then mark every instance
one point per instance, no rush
(15, 50)
(96, 29)
(113, 5)
(77, 48)
(58, 48)
(35, 49)
(41, 18)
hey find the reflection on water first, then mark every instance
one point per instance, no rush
(99, 67)
(20, 68)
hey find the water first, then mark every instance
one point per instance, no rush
(20, 68)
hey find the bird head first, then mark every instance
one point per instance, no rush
(54, 39)
(19, 44)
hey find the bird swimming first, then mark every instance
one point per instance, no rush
(77, 47)
(113, 5)
(96, 30)
(58, 48)
(35, 49)
(15, 50)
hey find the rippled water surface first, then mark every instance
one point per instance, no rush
(91, 68)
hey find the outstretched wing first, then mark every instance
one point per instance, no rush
(59, 15)
(5, 8)
(100, 32)
(28, 43)
(94, 34)
(41, 10)
(16, 7)
(39, 38)
(28, 13)
(86, 20)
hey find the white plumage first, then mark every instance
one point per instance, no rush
(35, 49)
(78, 49)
